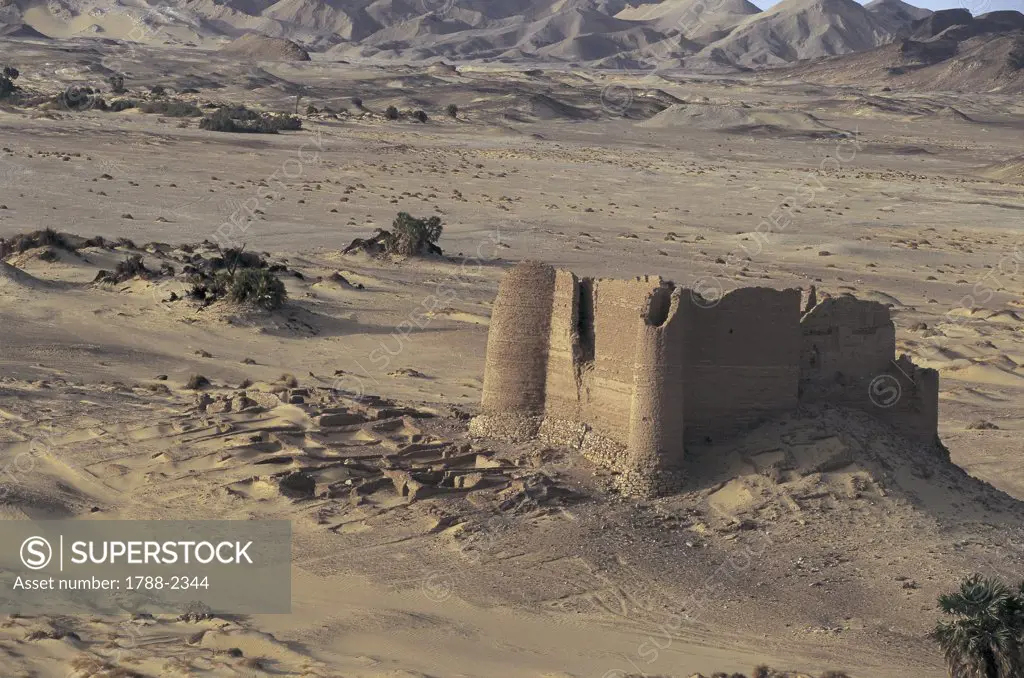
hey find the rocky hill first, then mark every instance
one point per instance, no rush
(697, 35)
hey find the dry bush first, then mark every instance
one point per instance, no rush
(132, 267)
(196, 382)
(240, 119)
(254, 286)
(23, 242)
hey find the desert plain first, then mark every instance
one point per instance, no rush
(913, 199)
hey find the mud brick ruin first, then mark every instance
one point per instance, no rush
(630, 371)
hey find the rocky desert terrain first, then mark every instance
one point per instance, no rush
(819, 541)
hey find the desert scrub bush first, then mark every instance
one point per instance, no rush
(236, 257)
(409, 236)
(252, 286)
(240, 119)
(219, 121)
(23, 242)
(272, 124)
(79, 98)
(196, 382)
(173, 109)
(132, 267)
(117, 84)
(452, 110)
(420, 116)
(7, 78)
(391, 113)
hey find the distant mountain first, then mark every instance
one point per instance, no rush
(716, 36)
(802, 29)
(698, 20)
(896, 15)
(969, 57)
(263, 48)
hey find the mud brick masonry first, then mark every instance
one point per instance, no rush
(630, 371)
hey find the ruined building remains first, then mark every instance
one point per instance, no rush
(629, 371)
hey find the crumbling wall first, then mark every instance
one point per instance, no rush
(565, 359)
(847, 358)
(907, 398)
(517, 350)
(654, 463)
(742, 359)
(608, 352)
(627, 371)
(845, 342)
(608, 369)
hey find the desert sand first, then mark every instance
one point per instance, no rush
(834, 560)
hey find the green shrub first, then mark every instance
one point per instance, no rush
(255, 286)
(391, 113)
(411, 236)
(984, 631)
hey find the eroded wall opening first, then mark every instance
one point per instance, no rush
(585, 321)
(658, 306)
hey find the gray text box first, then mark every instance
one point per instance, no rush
(152, 566)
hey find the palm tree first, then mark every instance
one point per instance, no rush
(985, 638)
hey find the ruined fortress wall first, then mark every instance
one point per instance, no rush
(626, 371)
(653, 464)
(742, 359)
(845, 340)
(517, 344)
(847, 358)
(608, 369)
(907, 398)
(564, 351)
